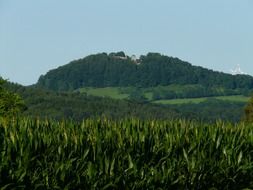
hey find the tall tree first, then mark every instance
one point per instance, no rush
(10, 103)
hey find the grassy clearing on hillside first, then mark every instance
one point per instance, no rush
(181, 101)
(148, 93)
(127, 154)
(237, 98)
(112, 92)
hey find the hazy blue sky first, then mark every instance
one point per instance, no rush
(38, 35)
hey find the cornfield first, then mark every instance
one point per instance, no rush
(126, 154)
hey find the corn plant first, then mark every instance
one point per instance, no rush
(125, 154)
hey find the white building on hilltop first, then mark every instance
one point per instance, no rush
(237, 71)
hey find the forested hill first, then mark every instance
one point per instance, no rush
(119, 70)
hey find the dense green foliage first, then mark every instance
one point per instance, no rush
(125, 154)
(152, 70)
(10, 103)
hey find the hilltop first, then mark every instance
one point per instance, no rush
(151, 70)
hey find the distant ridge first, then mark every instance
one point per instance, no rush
(120, 70)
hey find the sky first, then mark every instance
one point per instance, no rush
(36, 36)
